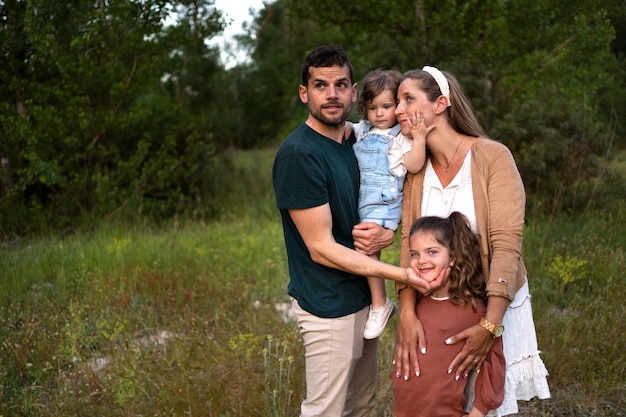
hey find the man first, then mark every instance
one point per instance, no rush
(316, 180)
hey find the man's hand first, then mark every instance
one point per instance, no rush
(370, 238)
(415, 281)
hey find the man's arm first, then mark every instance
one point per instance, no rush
(315, 227)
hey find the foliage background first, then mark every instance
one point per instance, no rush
(111, 109)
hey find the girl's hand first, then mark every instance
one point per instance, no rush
(478, 343)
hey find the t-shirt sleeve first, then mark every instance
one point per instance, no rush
(299, 182)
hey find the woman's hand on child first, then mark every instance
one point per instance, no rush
(409, 336)
(478, 343)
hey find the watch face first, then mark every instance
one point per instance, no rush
(499, 330)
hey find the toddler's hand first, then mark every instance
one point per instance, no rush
(418, 127)
(347, 130)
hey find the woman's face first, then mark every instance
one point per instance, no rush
(431, 260)
(411, 100)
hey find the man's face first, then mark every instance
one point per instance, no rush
(329, 94)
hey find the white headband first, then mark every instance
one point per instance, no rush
(442, 82)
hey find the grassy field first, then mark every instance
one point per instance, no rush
(182, 319)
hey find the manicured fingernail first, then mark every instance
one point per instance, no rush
(449, 371)
(456, 378)
(465, 376)
(448, 341)
(394, 362)
(423, 351)
(397, 374)
(417, 374)
(477, 371)
(406, 377)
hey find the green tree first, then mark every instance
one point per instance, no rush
(535, 72)
(106, 109)
(90, 121)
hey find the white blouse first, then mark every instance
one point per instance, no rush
(457, 196)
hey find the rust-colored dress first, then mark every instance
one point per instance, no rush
(435, 393)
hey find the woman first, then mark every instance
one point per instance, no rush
(471, 174)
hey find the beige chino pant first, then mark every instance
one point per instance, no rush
(341, 366)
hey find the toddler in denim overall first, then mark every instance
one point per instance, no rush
(380, 190)
(384, 156)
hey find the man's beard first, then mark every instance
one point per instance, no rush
(336, 121)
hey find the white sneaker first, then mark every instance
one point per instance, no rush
(378, 318)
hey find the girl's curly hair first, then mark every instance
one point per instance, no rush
(466, 279)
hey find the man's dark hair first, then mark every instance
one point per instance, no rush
(325, 56)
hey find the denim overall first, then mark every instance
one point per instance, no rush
(380, 190)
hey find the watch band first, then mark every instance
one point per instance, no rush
(496, 330)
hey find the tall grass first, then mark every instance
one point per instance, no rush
(180, 318)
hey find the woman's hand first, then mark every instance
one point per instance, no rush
(409, 336)
(410, 332)
(478, 343)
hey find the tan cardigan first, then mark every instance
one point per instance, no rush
(499, 200)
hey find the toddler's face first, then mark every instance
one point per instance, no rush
(381, 112)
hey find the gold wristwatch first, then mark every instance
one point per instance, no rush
(496, 330)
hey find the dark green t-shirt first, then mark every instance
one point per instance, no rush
(311, 170)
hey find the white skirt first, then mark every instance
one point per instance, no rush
(526, 374)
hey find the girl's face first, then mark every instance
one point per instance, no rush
(412, 100)
(381, 112)
(431, 260)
